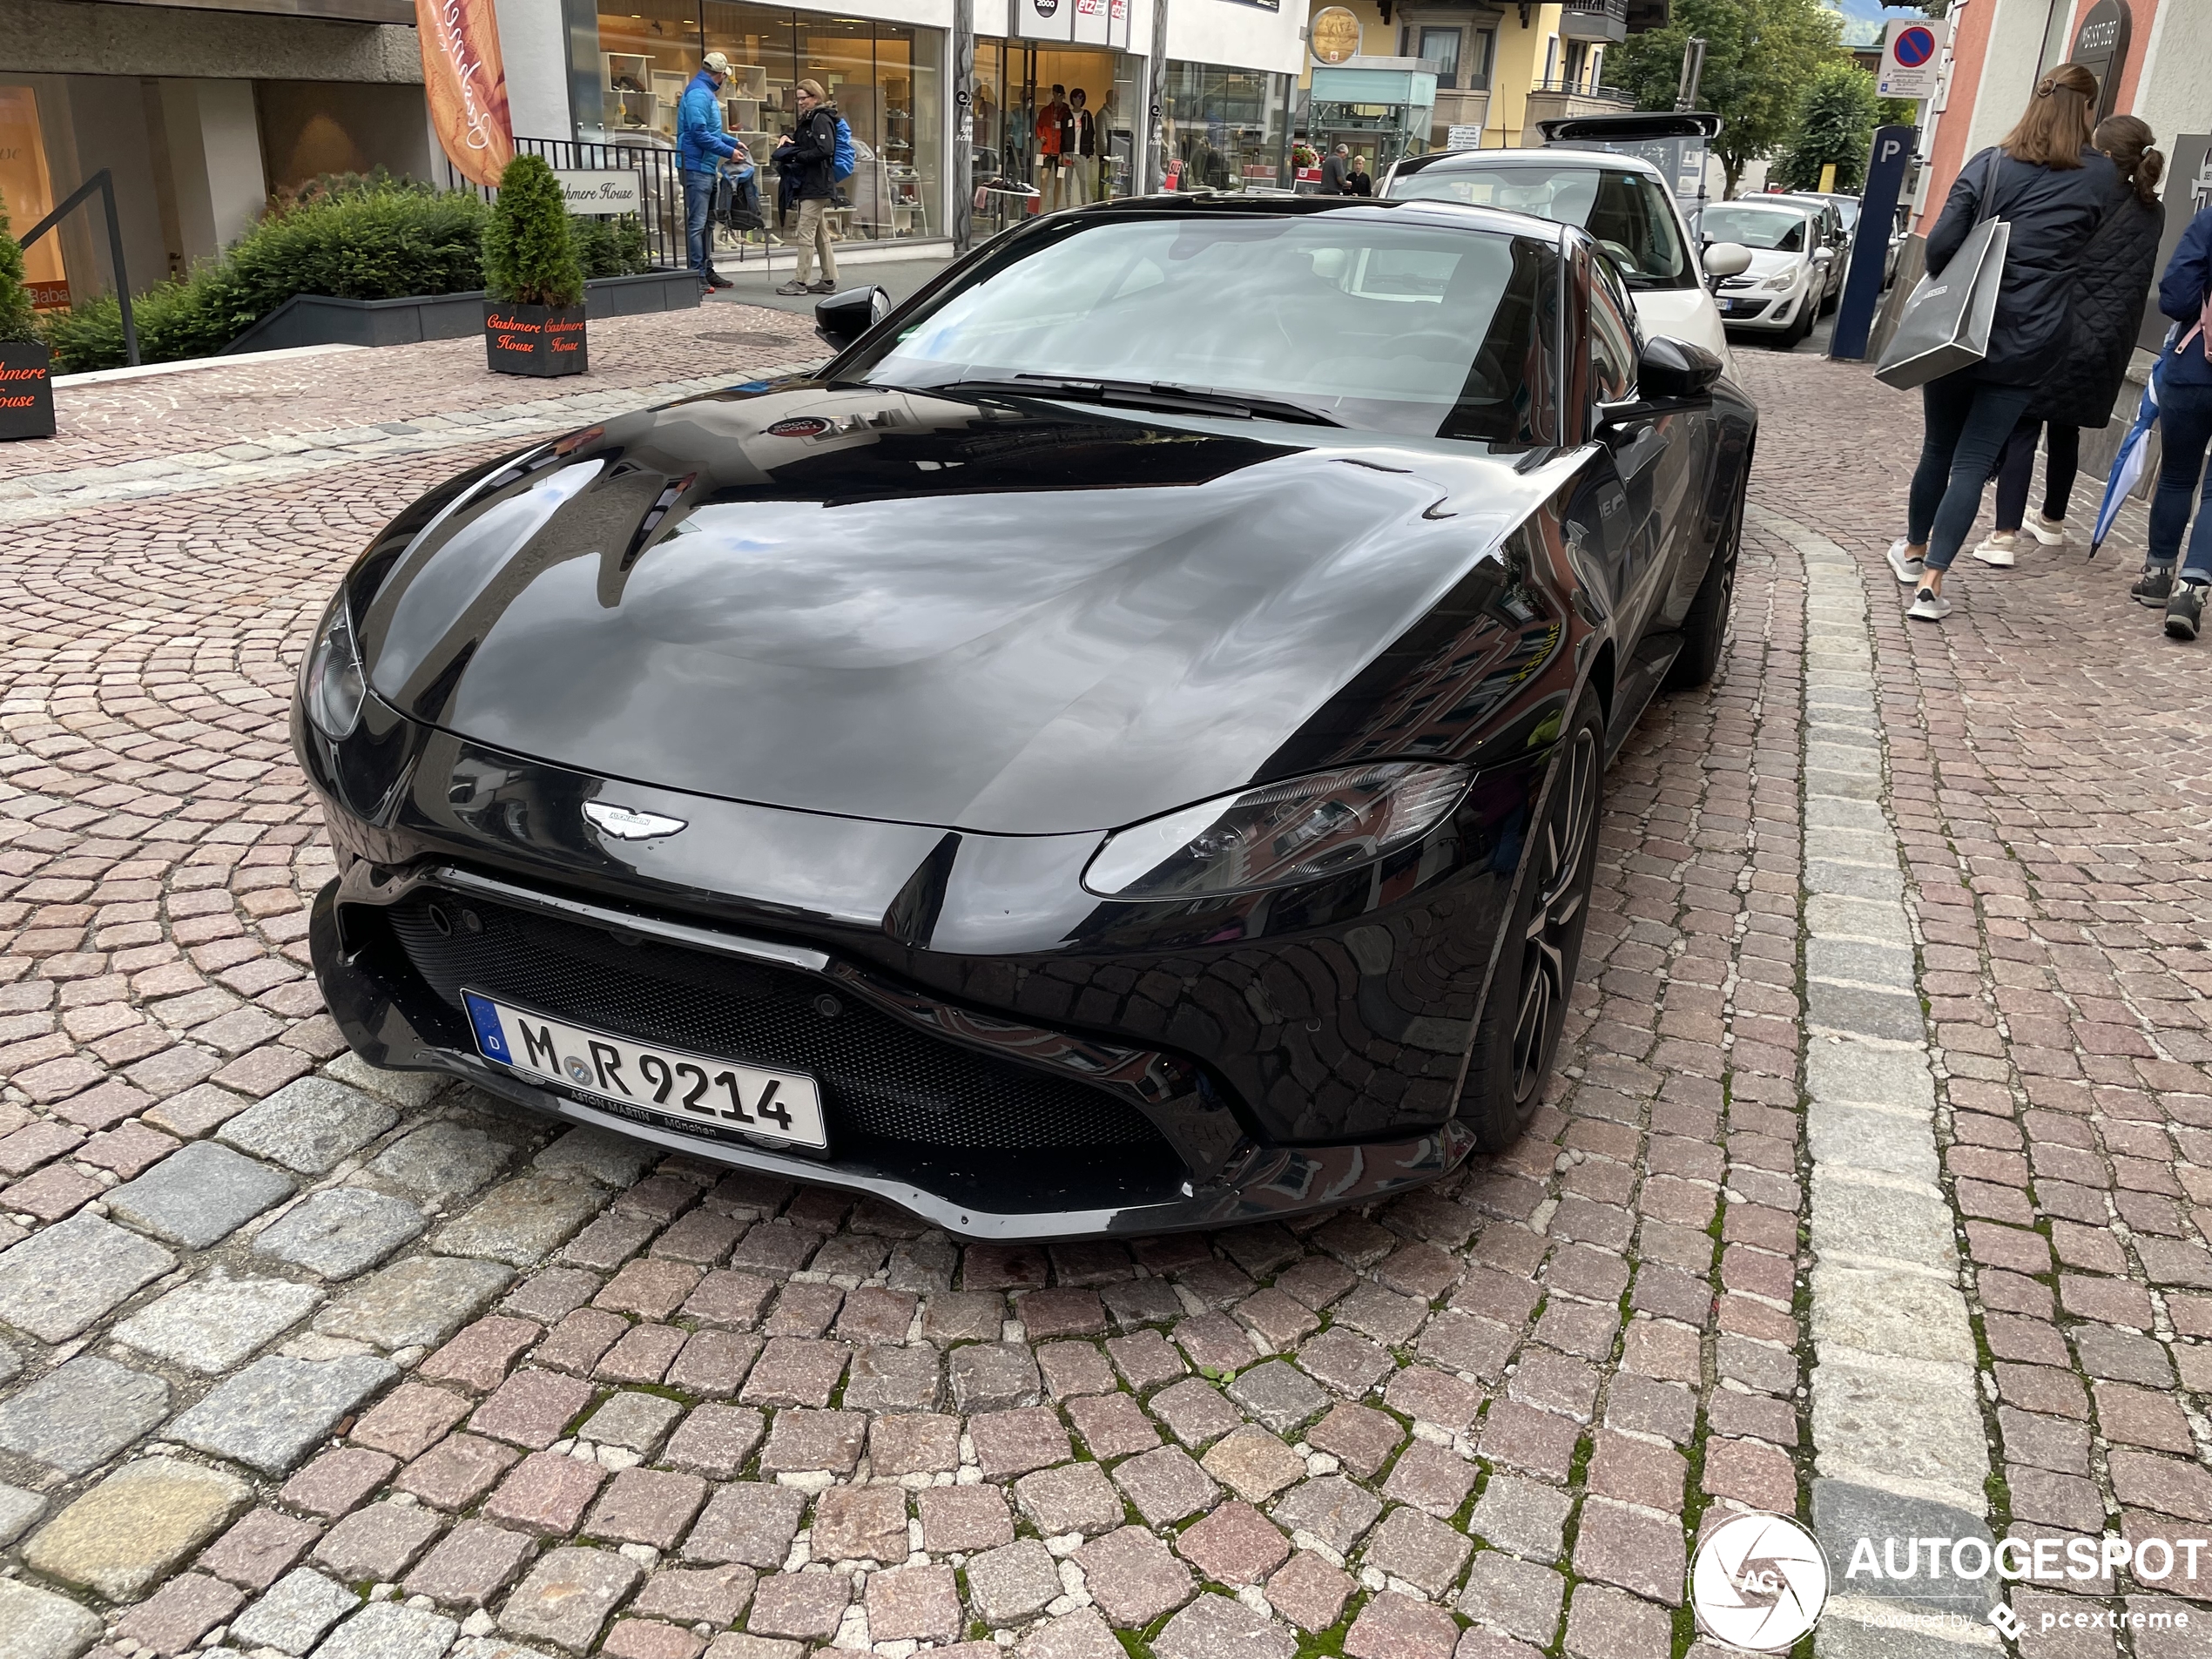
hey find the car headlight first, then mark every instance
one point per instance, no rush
(1781, 284)
(333, 685)
(1279, 835)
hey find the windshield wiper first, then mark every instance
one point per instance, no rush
(1150, 394)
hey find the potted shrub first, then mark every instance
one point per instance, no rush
(534, 316)
(26, 367)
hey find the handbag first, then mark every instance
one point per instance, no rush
(1945, 324)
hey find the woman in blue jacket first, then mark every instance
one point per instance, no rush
(2052, 189)
(2185, 419)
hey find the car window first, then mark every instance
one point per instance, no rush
(1612, 338)
(1397, 327)
(1774, 228)
(1627, 212)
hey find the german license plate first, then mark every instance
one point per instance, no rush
(683, 1088)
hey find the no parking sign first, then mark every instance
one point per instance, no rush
(1912, 57)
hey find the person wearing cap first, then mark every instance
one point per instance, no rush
(702, 145)
(807, 155)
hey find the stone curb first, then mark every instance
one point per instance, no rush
(1898, 1432)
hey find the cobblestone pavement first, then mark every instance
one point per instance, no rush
(302, 1359)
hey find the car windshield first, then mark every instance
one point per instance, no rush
(1774, 228)
(1627, 213)
(1409, 328)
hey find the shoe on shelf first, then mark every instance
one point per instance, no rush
(823, 286)
(2153, 587)
(1928, 605)
(794, 287)
(1996, 548)
(1908, 570)
(2185, 610)
(2051, 532)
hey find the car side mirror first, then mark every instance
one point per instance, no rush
(844, 316)
(1727, 260)
(1823, 255)
(1674, 370)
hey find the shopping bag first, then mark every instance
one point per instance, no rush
(1945, 324)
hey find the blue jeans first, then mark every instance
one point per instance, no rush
(1963, 428)
(2185, 429)
(698, 205)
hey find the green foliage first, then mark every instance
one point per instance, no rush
(357, 238)
(611, 247)
(1760, 58)
(1835, 121)
(529, 253)
(16, 321)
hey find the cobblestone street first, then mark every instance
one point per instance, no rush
(1875, 1189)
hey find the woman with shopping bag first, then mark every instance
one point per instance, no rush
(2184, 376)
(2023, 210)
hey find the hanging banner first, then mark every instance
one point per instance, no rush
(466, 85)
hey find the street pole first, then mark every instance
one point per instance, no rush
(1693, 70)
(1156, 79)
(963, 215)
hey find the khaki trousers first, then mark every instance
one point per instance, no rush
(1085, 187)
(812, 238)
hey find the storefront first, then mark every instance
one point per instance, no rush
(1225, 129)
(1381, 108)
(27, 191)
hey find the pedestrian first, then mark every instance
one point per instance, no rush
(1334, 168)
(2185, 417)
(807, 156)
(702, 145)
(2044, 180)
(1357, 182)
(1082, 140)
(2112, 281)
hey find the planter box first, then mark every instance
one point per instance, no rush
(26, 390)
(534, 340)
(318, 320)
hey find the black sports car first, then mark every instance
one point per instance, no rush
(1119, 748)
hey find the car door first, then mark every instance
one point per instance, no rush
(1644, 445)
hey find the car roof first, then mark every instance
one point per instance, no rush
(1556, 158)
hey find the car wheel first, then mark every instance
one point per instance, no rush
(1517, 1037)
(1705, 629)
(1794, 335)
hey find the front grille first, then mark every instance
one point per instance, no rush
(881, 1081)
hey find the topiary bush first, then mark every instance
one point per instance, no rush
(16, 319)
(529, 253)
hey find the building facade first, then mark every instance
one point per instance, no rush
(201, 111)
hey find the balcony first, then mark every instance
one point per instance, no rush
(1457, 109)
(1605, 20)
(1550, 100)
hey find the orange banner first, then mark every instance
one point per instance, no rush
(466, 85)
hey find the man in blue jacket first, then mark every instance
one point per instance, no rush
(702, 147)
(2185, 415)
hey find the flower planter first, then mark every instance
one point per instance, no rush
(26, 390)
(534, 340)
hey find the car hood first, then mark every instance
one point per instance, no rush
(1012, 616)
(1766, 262)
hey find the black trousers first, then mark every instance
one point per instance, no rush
(2016, 468)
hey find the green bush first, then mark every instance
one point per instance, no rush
(529, 253)
(611, 247)
(15, 320)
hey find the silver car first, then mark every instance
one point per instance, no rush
(1793, 272)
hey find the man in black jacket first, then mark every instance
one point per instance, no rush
(808, 157)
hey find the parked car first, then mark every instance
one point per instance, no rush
(1793, 270)
(1622, 202)
(1835, 232)
(1120, 747)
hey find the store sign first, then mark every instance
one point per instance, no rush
(465, 85)
(1081, 23)
(601, 192)
(2101, 46)
(1457, 138)
(1333, 35)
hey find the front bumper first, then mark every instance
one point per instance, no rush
(1757, 311)
(1146, 1143)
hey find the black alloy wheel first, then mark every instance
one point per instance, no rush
(1518, 1036)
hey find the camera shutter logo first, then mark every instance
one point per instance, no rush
(1759, 1582)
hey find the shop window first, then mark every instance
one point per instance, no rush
(648, 50)
(1225, 129)
(27, 190)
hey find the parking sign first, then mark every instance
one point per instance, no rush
(1912, 57)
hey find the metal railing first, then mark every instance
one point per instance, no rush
(1616, 10)
(661, 185)
(104, 182)
(1583, 88)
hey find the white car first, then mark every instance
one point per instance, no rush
(1793, 270)
(1621, 201)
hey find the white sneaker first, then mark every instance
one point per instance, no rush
(1908, 570)
(1996, 548)
(2051, 532)
(1928, 605)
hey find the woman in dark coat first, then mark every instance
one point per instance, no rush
(2052, 189)
(2111, 287)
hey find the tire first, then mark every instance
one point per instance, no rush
(1795, 335)
(1517, 1038)
(1705, 629)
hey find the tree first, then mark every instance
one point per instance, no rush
(1835, 124)
(15, 319)
(1760, 58)
(529, 253)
